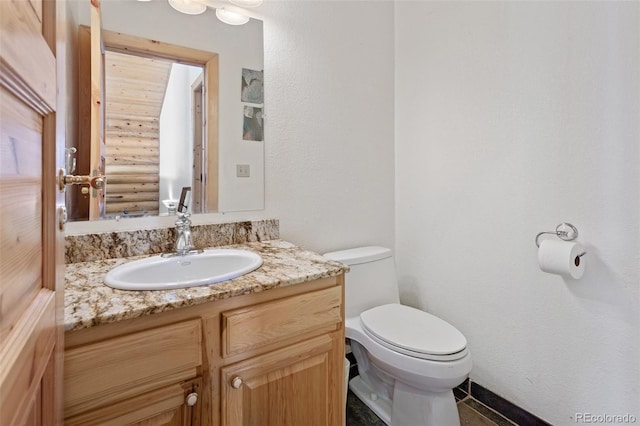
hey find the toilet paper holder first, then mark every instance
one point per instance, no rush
(565, 231)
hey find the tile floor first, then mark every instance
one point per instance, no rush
(472, 413)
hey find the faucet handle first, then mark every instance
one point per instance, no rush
(184, 200)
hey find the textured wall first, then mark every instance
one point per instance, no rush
(329, 154)
(512, 117)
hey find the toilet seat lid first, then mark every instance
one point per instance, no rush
(413, 332)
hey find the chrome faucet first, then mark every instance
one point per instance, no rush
(184, 241)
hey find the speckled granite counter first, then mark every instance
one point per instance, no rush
(89, 302)
(111, 245)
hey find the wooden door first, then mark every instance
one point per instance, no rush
(91, 142)
(97, 201)
(289, 387)
(31, 250)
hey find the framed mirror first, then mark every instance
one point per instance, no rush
(158, 139)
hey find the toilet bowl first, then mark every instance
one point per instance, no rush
(408, 360)
(425, 380)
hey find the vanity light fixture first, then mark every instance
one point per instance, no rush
(231, 18)
(190, 7)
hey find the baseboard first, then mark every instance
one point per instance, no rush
(504, 407)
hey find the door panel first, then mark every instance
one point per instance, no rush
(28, 353)
(287, 387)
(31, 77)
(21, 207)
(31, 262)
(162, 407)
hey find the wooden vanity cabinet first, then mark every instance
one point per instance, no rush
(174, 405)
(292, 386)
(135, 377)
(295, 384)
(267, 358)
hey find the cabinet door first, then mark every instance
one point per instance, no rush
(174, 405)
(288, 387)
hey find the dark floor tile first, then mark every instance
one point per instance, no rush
(470, 417)
(461, 391)
(459, 394)
(464, 386)
(486, 412)
(358, 414)
(504, 407)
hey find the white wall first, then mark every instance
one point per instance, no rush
(176, 133)
(329, 125)
(512, 117)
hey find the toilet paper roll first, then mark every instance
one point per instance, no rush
(561, 258)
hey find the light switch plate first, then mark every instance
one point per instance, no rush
(243, 170)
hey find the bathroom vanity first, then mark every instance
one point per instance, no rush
(264, 348)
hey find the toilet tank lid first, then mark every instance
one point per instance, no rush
(359, 255)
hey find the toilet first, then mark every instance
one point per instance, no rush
(409, 361)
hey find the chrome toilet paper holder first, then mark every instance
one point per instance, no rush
(565, 231)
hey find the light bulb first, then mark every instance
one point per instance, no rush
(189, 7)
(231, 18)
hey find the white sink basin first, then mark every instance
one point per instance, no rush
(164, 273)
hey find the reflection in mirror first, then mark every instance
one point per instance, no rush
(154, 135)
(183, 204)
(146, 179)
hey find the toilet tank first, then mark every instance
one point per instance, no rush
(371, 280)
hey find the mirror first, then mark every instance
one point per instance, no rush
(237, 177)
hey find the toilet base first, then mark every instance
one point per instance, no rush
(379, 405)
(412, 408)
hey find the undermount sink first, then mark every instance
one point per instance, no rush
(197, 269)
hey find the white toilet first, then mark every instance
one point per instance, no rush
(409, 361)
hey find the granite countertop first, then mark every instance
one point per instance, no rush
(89, 302)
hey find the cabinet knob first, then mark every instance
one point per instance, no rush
(192, 399)
(236, 382)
